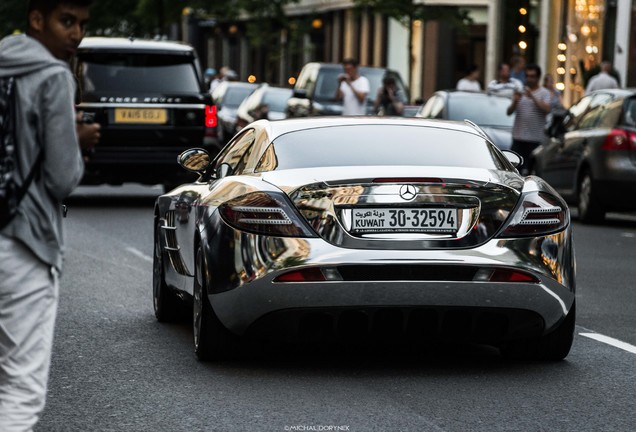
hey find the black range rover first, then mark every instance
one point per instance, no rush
(150, 100)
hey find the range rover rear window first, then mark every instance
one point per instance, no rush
(137, 73)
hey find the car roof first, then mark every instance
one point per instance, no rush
(468, 94)
(339, 66)
(280, 127)
(620, 92)
(132, 44)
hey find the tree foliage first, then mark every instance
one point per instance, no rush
(149, 18)
(12, 16)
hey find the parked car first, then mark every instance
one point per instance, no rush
(365, 228)
(149, 99)
(590, 157)
(266, 102)
(315, 89)
(486, 110)
(227, 97)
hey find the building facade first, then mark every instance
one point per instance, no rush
(567, 38)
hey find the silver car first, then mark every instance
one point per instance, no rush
(397, 229)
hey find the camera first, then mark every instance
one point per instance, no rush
(88, 118)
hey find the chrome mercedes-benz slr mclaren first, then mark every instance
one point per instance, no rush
(363, 228)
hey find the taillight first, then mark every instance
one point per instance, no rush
(538, 214)
(619, 139)
(264, 213)
(504, 275)
(311, 274)
(210, 116)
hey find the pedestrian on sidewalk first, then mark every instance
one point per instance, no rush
(353, 89)
(602, 80)
(470, 82)
(532, 105)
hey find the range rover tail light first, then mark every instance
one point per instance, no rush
(211, 119)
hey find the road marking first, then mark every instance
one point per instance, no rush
(611, 341)
(139, 254)
(628, 235)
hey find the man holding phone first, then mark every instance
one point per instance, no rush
(353, 89)
(532, 105)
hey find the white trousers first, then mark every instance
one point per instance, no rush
(28, 305)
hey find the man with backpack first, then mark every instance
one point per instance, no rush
(48, 165)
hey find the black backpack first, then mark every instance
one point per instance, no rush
(10, 192)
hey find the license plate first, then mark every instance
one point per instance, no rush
(141, 115)
(439, 220)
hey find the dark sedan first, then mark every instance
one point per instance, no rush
(590, 157)
(227, 97)
(316, 228)
(486, 110)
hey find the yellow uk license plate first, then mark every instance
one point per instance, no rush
(141, 115)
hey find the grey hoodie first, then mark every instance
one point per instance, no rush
(45, 122)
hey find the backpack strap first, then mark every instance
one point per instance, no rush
(11, 126)
(27, 181)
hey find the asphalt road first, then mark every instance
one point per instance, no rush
(116, 369)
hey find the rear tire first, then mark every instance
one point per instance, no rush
(212, 341)
(166, 303)
(591, 209)
(552, 347)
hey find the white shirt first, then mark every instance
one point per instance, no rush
(505, 88)
(601, 81)
(350, 103)
(468, 85)
(530, 119)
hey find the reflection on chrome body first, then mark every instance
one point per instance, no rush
(489, 262)
(254, 294)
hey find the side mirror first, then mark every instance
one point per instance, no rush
(515, 159)
(195, 160)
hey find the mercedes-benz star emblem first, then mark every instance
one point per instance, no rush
(408, 192)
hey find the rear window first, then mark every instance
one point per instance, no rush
(359, 145)
(327, 83)
(276, 99)
(235, 95)
(630, 112)
(137, 73)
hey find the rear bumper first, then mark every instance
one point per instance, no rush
(255, 297)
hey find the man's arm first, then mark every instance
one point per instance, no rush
(88, 134)
(542, 102)
(339, 95)
(516, 96)
(363, 90)
(62, 164)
